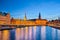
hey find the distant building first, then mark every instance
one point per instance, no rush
(57, 21)
(38, 21)
(4, 18)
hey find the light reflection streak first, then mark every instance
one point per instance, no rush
(17, 33)
(0, 35)
(58, 34)
(30, 33)
(43, 33)
(22, 34)
(53, 33)
(26, 33)
(34, 33)
(5, 35)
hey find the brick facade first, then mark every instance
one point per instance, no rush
(4, 18)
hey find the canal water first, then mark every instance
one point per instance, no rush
(31, 33)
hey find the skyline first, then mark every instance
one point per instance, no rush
(18, 8)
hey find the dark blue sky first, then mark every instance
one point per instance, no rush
(17, 8)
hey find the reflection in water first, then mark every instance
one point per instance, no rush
(22, 33)
(58, 34)
(26, 33)
(54, 34)
(34, 33)
(17, 33)
(48, 33)
(12, 34)
(43, 32)
(5, 35)
(38, 33)
(0, 35)
(31, 33)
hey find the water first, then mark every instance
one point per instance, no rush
(31, 33)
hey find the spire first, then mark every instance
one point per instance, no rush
(39, 15)
(25, 17)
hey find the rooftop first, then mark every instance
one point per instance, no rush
(3, 13)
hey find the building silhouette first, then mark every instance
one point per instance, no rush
(39, 15)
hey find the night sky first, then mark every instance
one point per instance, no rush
(18, 8)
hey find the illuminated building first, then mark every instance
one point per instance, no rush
(5, 19)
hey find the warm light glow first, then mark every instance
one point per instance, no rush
(0, 35)
(5, 35)
(43, 33)
(26, 33)
(18, 33)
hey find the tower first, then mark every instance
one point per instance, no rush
(25, 17)
(39, 15)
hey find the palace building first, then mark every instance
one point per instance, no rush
(5, 19)
(38, 21)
